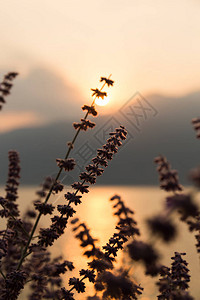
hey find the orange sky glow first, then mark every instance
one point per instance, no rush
(148, 45)
(13, 120)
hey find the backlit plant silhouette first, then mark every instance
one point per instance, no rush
(25, 258)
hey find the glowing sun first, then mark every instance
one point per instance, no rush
(103, 101)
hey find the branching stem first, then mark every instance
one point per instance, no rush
(51, 190)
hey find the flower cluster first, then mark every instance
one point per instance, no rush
(45, 274)
(44, 208)
(86, 239)
(126, 224)
(67, 164)
(184, 204)
(126, 228)
(9, 205)
(174, 281)
(5, 86)
(14, 283)
(90, 110)
(97, 93)
(168, 178)
(108, 81)
(119, 286)
(114, 284)
(137, 250)
(100, 261)
(179, 272)
(77, 284)
(14, 237)
(84, 125)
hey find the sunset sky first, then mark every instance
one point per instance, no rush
(61, 48)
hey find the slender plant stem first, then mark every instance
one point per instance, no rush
(51, 190)
(72, 288)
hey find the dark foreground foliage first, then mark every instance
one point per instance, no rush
(25, 256)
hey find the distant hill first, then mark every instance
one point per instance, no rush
(167, 130)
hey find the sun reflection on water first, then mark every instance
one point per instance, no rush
(96, 211)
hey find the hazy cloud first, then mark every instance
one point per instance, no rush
(16, 120)
(45, 95)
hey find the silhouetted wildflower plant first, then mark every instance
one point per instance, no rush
(174, 281)
(110, 282)
(26, 260)
(5, 87)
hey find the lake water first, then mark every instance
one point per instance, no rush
(96, 210)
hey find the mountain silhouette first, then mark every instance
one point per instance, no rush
(168, 132)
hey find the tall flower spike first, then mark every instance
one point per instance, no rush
(126, 224)
(66, 164)
(108, 81)
(84, 125)
(90, 109)
(174, 281)
(179, 272)
(118, 286)
(126, 228)
(164, 283)
(5, 87)
(168, 178)
(83, 234)
(14, 283)
(56, 186)
(10, 206)
(97, 93)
